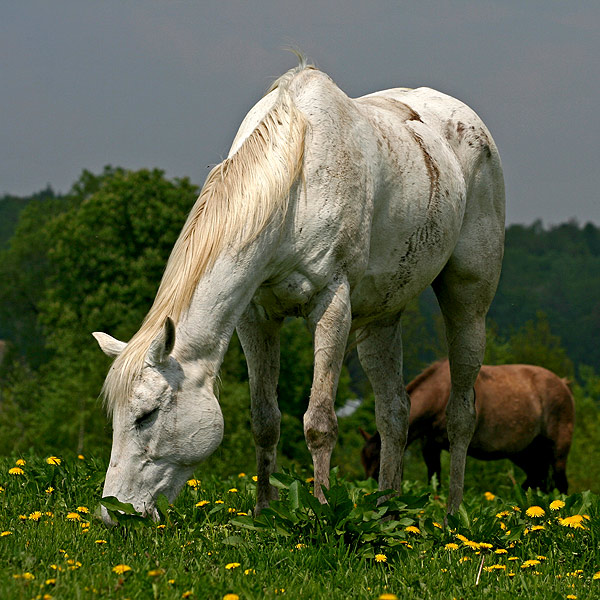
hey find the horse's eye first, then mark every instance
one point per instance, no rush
(146, 418)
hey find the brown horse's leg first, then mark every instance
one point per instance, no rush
(432, 457)
(559, 465)
(562, 435)
(535, 461)
(259, 337)
(380, 354)
(330, 322)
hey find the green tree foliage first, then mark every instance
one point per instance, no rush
(11, 208)
(533, 343)
(557, 271)
(23, 270)
(99, 256)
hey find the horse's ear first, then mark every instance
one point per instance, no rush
(366, 435)
(108, 344)
(162, 345)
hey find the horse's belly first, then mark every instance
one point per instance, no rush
(402, 266)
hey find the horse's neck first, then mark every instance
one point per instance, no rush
(221, 296)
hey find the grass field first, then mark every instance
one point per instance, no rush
(209, 546)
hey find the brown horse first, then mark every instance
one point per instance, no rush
(524, 413)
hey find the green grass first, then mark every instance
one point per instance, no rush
(296, 550)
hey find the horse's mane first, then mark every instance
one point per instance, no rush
(426, 374)
(240, 197)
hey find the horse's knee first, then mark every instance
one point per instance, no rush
(266, 422)
(320, 428)
(461, 418)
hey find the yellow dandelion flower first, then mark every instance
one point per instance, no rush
(35, 516)
(489, 496)
(535, 511)
(388, 596)
(596, 575)
(233, 491)
(557, 505)
(233, 565)
(254, 478)
(412, 529)
(494, 568)
(470, 544)
(187, 594)
(161, 526)
(571, 597)
(537, 528)
(461, 537)
(1, 489)
(503, 513)
(530, 563)
(437, 525)
(121, 569)
(156, 572)
(20, 462)
(309, 479)
(573, 521)
(485, 545)
(451, 546)
(231, 510)
(53, 460)
(5, 533)
(193, 483)
(380, 558)
(73, 516)
(501, 551)
(219, 502)
(242, 514)
(16, 471)
(82, 509)
(202, 503)
(516, 508)
(231, 597)
(250, 572)
(81, 457)
(49, 490)
(27, 576)
(513, 558)
(464, 559)
(99, 542)
(50, 581)
(300, 546)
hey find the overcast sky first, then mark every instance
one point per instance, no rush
(143, 83)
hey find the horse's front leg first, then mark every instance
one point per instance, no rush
(259, 337)
(330, 322)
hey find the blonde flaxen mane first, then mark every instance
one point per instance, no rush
(240, 197)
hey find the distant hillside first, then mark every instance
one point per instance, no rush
(557, 271)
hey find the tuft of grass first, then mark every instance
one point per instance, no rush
(208, 544)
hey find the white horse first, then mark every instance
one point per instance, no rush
(340, 210)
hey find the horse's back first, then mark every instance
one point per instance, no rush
(517, 404)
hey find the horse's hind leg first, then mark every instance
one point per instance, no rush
(259, 337)
(380, 354)
(329, 322)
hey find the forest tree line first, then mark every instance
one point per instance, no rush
(91, 260)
